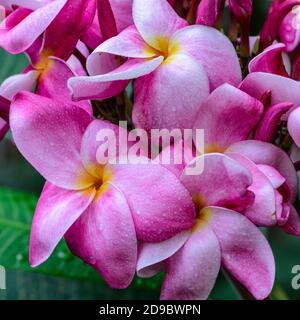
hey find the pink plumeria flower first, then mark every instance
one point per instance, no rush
(220, 236)
(175, 65)
(101, 210)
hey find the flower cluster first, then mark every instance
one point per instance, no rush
(160, 65)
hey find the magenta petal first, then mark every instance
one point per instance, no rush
(4, 127)
(209, 12)
(271, 61)
(228, 115)
(292, 226)
(151, 255)
(48, 133)
(169, 98)
(104, 237)
(246, 253)
(56, 211)
(191, 273)
(156, 20)
(224, 182)
(166, 207)
(21, 82)
(266, 153)
(53, 83)
(20, 34)
(210, 48)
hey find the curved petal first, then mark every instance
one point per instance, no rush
(32, 4)
(282, 89)
(4, 127)
(48, 133)
(270, 60)
(292, 226)
(262, 212)
(210, 48)
(223, 182)
(104, 238)
(191, 273)
(56, 211)
(21, 82)
(106, 85)
(272, 174)
(17, 35)
(151, 255)
(170, 97)
(294, 125)
(228, 115)
(161, 207)
(122, 10)
(156, 21)
(209, 12)
(266, 153)
(246, 253)
(53, 83)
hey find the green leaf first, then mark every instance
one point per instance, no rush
(11, 65)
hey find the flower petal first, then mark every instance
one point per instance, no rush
(156, 21)
(209, 12)
(266, 153)
(228, 115)
(170, 97)
(191, 273)
(224, 182)
(48, 134)
(210, 48)
(18, 34)
(294, 125)
(21, 82)
(246, 253)
(104, 237)
(56, 212)
(293, 224)
(160, 205)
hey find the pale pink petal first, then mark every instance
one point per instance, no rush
(21, 82)
(53, 83)
(289, 30)
(122, 10)
(104, 237)
(266, 153)
(272, 174)
(56, 211)
(210, 48)
(294, 125)
(32, 4)
(166, 207)
(48, 133)
(151, 255)
(191, 273)
(156, 21)
(228, 115)
(246, 253)
(17, 35)
(224, 182)
(170, 97)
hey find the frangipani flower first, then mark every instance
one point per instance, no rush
(175, 65)
(192, 259)
(102, 210)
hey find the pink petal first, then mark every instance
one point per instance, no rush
(191, 273)
(63, 34)
(4, 127)
(272, 174)
(104, 238)
(210, 48)
(209, 12)
(268, 154)
(293, 224)
(105, 85)
(166, 207)
(294, 125)
(19, 34)
(246, 253)
(282, 89)
(170, 97)
(21, 82)
(270, 60)
(224, 182)
(156, 21)
(32, 4)
(228, 115)
(53, 83)
(262, 211)
(48, 133)
(151, 255)
(122, 10)
(56, 211)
